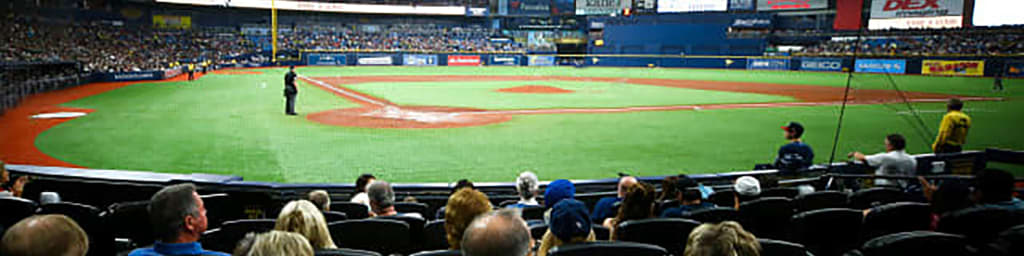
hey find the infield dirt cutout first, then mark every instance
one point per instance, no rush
(380, 113)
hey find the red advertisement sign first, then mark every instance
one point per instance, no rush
(463, 60)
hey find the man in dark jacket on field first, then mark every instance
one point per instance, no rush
(290, 91)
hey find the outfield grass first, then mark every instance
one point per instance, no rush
(231, 124)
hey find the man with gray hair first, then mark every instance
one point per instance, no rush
(382, 200)
(528, 186)
(321, 199)
(45, 235)
(498, 233)
(179, 218)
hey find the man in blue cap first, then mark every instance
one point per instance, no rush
(569, 224)
(557, 191)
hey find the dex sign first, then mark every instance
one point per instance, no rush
(884, 9)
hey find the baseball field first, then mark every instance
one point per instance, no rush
(439, 124)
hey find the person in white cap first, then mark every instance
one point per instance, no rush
(747, 188)
(528, 186)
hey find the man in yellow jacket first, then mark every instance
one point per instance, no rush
(953, 129)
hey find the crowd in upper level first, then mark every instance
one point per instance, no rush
(950, 43)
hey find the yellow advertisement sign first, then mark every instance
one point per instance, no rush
(172, 22)
(953, 67)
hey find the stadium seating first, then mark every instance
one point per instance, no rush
(383, 236)
(670, 234)
(407, 207)
(827, 232)
(220, 208)
(87, 217)
(786, 192)
(438, 253)
(533, 213)
(230, 232)
(895, 218)
(608, 249)
(434, 236)
(601, 232)
(15, 209)
(821, 200)
(1010, 242)
(714, 215)
(661, 206)
(353, 211)
(724, 198)
(344, 252)
(332, 216)
(537, 230)
(915, 243)
(767, 217)
(867, 198)
(979, 224)
(416, 225)
(771, 247)
(131, 220)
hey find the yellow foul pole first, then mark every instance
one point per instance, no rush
(273, 32)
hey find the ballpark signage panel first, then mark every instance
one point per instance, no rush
(772, 64)
(419, 60)
(892, 66)
(917, 22)
(325, 59)
(885, 9)
(601, 7)
(821, 64)
(791, 5)
(504, 60)
(1015, 69)
(529, 7)
(379, 60)
(463, 60)
(328, 7)
(741, 5)
(953, 67)
(541, 60)
(692, 5)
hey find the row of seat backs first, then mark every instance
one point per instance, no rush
(862, 199)
(1009, 242)
(615, 248)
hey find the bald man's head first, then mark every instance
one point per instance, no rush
(51, 234)
(624, 183)
(498, 233)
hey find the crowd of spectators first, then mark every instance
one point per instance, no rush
(933, 44)
(19, 81)
(405, 37)
(472, 3)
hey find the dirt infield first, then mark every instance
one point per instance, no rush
(414, 117)
(539, 89)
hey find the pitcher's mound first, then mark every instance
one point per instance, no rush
(407, 117)
(534, 89)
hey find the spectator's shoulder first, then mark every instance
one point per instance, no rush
(213, 253)
(144, 252)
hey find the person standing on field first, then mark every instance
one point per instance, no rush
(290, 91)
(953, 129)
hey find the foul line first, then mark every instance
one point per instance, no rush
(344, 92)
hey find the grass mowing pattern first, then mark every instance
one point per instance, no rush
(228, 124)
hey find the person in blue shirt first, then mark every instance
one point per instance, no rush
(795, 155)
(605, 208)
(689, 197)
(994, 188)
(179, 218)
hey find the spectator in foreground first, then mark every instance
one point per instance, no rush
(795, 155)
(722, 239)
(179, 218)
(527, 185)
(638, 204)
(746, 188)
(894, 161)
(500, 233)
(8, 188)
(994, 188)
(689, 199)
(953, 129)
(570, 224)
(669, 190)
(605, 208)
(277, 243)
(51, 234)
(949, 197)
(362, 183)
(382, 200)
(321, 199)
(302, 218)
(462, 208)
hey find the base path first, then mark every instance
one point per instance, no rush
(410, 117)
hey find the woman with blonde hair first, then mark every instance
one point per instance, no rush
(303, 218)
(637, 204)
(722, 239)
(276, 243)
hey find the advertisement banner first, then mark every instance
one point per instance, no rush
(505, 60)
(563, 7)
(887, 9)
(848, 15)
(329, 7)
(601, 7)
(419, 60)
(919, 22)
(172, 22)
(378, 60)
(752, 22)
(172, 72)
(741, 5)
(692, 5)
(891, 66)
(791, 5)
(818, 64)
(997, 12)
(541, 60)
(768, 64)
(529, 7)
(463, 60)
(476, 12)
(1015, 69)
(325, 59)
(133, 76)
(953, 67)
